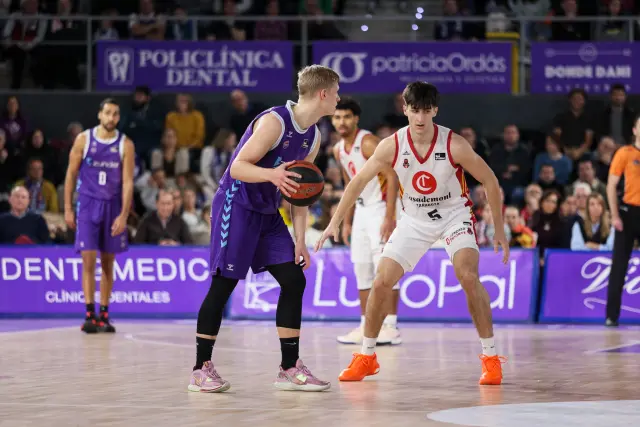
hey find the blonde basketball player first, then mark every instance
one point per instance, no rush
(367, 227)
(430, 161)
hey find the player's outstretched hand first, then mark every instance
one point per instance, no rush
(500, 240)
(303, 252)
(388, 225)
(70, 219)
(331, 230)
(281, 178)
(118, 226)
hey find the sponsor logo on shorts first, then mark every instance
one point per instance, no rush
(459, 232)
(230, 267)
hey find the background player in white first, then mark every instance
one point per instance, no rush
(367, 227)
(430, 161)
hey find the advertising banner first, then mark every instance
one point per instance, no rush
(454, 67)
(575, 287)
(190, 66)
(594, 67)
(430, 292)
(147, 280)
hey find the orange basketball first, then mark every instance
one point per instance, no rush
(311, 184)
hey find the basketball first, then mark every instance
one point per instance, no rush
(311, 184)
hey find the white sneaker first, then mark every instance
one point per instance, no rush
(353, 337)
(389, 334)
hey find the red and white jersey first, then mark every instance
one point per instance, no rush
(353, 161)
(433, 187)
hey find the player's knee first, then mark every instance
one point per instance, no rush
(212, 308)
(469, 281)
(381, 284)
(365, 275)
(292, 283)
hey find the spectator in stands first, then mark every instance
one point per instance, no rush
(485, 228)
(320, 29)
(273, 29)
(532, 8)
(188, 123)
(22, 36)
(587, 175)
(7, 172)
(521, 235)
(396, 119)
(162, 227)
(617, 118)
(20, 226)
(215, 159)
(37, 147)
(61, 57)
(511, 163)
(149, 185)
(107, 29)
(230, 28)
(42, 193)
(569, 208)
(602, 157)
(63, 148)
(177, 202)
(451, 26)
(192, 216)
(574, 126)
(594, 231)
(550, 229)
(174, 161)
(180, 27)
(553, 155)
(244, 112)
(532, 196)
(547, 180)
(401, 5)
(613, 29)
(481, 148)
(570, 30)
(147, 24)
(143, 123)
(581, 191)
(14, 125)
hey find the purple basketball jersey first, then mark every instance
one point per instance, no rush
(294, 144)
(100, 174)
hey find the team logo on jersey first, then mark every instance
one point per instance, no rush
(424, 183)
(352, 168)
(441, 156)
(285, 144)
(114, 149)
(305, 143)
(405, 164)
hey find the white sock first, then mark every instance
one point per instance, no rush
(488, 346)
(368, 346)
(391, 320)
(362, 321)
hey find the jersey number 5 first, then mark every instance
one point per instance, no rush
(102, 178)
(434, 215)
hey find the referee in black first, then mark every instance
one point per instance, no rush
(625, 218)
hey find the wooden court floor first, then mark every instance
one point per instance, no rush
(555, 376)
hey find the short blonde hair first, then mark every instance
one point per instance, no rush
(314, 78)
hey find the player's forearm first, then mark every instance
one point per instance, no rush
(392, 194)
(299, 216)
(351, 193)
(348, 219)
(69, 184)
(612, 197)
(127, 198)
(248, 172)
(492, 188)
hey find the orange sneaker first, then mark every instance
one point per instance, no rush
(361, 366)
(491, 369)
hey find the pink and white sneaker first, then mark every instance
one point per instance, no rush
(299, 378)
(207, 380)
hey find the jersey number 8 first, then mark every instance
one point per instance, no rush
(102, 178)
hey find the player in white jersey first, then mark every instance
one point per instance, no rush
(430, 161)
(367, 227)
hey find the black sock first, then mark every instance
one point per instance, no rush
(104, 311)
(91, 310)
(290, 348)
(204, 349)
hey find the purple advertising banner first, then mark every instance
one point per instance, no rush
(575, 287)
(388, 67)
(594, 67)
(430, 292)
(148, 280)
(189, 66)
